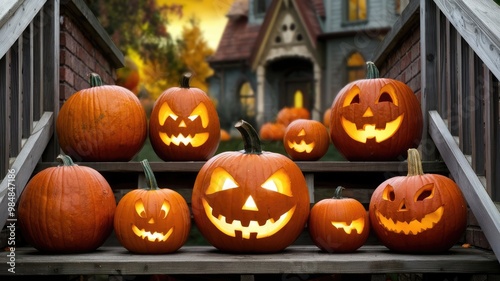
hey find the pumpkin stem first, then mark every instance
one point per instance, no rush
(65, 160)
(371, 70)
(414, 163)
(150, 177)
(250, 137)
(185, 80)
(95, 80)
(338, 192)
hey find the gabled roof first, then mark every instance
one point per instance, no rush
(241, 40)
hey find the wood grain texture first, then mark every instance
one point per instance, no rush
(294, 259)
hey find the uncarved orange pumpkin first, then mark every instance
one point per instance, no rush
(66, 209)
(375, 119)
(251, 200)
(154, 220)
(287, 114)
(306, 140)
(339, 224)
(102, 123)
(184, 124)
(272, 131)
(418, 213)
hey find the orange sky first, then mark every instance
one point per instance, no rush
(211, 13)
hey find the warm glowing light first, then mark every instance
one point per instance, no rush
(195, 141)
(298, 99)
(357, 225)
(369, 131)
(250, 205)
(152, 236)
(302, 146)
(279, 182)
(269, 228)
(413, 227)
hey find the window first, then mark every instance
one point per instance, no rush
(356, 10)
(247, 101)
(260, 7)
(355, 67)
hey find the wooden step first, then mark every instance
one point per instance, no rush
(208, 260)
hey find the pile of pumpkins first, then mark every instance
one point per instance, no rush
(242, 201)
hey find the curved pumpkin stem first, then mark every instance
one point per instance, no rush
(185, 80)
(95, 80)
(150, 177)
(414, 163)
(65, 160)
(371, 70)
(338, 192)
(250, 137)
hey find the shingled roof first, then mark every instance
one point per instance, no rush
(239, 37)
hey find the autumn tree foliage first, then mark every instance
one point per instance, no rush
(140, 30)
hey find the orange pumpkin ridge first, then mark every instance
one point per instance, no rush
(306, 140)
(418, 213)
(152, 221)
(250, 200)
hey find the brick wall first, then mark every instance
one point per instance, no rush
(79, 57)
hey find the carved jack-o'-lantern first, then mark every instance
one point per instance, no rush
(251, 200)
(152, 221)
(339, 224)
(184, 125)
(306, 140)
(419, 212)
(375, 119)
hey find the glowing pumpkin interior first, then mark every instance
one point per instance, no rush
(355, 225)
(150, 234)
(368, 129)
(302, 145)
(256, 221)
(185, 134)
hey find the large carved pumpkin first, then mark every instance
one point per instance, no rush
(418, 212)
(184, 124)
(102, 123)
(66, 209)
(375, 119)
(152, 221)
(306, 140)
(339, 224)
(251, 200)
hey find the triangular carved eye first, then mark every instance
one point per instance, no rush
(221, 180)
(279, 182)
(388, 94)
(166, 112)
(139, 209)
(388, 194)
(165, 208)
(425, 192)
(200, 112)
(352, 96)
(385, 97)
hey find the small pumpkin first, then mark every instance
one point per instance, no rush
(418, 213)
(102, 123)
(153, 220)
(339, 224)
(272, 131)
(66, 209)
(250, 200)
(184, 124)
(375, 119)
(306, 140)
(288, 114)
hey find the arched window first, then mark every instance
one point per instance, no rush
(356, 10)
(355, 67)
(247, 101)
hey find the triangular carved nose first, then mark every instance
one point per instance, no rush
(368, 113)
(250, 205)
(402, 206)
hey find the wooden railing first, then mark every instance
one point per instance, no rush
(460, 52)
(29, 92)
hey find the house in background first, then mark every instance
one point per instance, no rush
(277, 53)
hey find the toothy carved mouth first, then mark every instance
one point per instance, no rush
(357, 225)
(369, 131)
(302, 146)
(413, 227)
(151, 236)
(262, 231)
(196, 140)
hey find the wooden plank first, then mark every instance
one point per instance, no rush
(37, 66)
(4, 113)
(208, 260)
(478, 23)
(305, 166)
(478, 199)
(19, 20)
(27, 82)
(477, 99)
(25, 162)
(16, 97)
